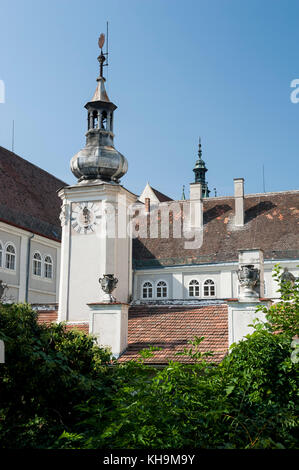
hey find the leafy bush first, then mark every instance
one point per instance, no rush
(59, 390)
(47, 372)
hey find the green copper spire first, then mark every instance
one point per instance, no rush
(200, 172)
(183, 194)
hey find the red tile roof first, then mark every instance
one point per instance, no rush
(47, 316)
(271, 224)
(28, 196)
(171, 327)
(51, 316)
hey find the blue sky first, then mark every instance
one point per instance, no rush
(220, 69)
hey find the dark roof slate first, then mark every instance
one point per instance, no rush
(161, 197)
(271, 224)
(28, 196)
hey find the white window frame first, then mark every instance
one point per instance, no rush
(40, 263)
(193, 285)
(203, 288)
(52, 267)
(167, 289)
(147, 287)
(7, 244)
(1, 254)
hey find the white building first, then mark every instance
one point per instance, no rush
(30, 230)
(170, 287)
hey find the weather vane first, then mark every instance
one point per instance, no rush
(102, 57)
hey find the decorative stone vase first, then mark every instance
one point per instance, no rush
(248, 277)
(108, 283)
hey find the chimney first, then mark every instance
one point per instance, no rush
(196, 208)
(147, 203)
(239, 201)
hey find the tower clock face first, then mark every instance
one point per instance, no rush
(85, 217)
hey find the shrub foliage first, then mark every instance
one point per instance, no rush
(59, 390)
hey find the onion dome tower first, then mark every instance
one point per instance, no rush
(99, 160)
(200, 170)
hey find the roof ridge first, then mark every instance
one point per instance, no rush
(162, 194)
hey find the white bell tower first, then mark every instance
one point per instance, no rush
(95, 220)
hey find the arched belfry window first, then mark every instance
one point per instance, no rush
(147, 290)
(161, 290)
(95, 119)
(194, 288)
(1, 254)
(10, 257)
(48, 267)
(209, 289)
(37, 264)
(104, 120)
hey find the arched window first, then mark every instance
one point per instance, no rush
(48, 267)
(147, 290)
(104, 120)
(194, 288)
(209, 288)
(10, 257)
(1, 254)
(161, 289)
(95, 119)
(37, 264)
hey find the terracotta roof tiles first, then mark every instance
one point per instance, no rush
(171, 327)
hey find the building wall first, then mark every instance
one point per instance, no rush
(11, 277)
(40, 289)
(224, 276)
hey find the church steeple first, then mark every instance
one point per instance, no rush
(200, 170)
(99, 160)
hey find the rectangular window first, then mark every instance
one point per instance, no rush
(10, 261)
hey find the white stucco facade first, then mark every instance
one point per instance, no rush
(16, 266)
(88, 256)
(224, 276)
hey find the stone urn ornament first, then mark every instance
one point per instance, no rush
(248, 277)
(108, 283)
(288, 277)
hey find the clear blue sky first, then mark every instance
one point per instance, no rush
(220, 69)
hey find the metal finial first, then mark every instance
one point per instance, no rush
(199, 148)
(183, 193)
(101, 57)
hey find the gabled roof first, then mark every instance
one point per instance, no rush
(171, 327)
(161, 197)
(28, 196)
(153, 194)
(271, 224)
